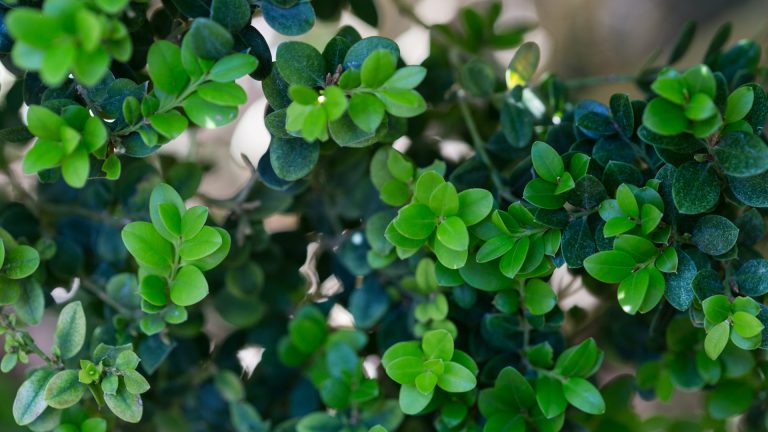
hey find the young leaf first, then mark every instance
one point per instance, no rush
(189, 286)
(70, 330)
(716, 339)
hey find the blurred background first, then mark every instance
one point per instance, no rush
(578, 39)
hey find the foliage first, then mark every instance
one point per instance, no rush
(449, 273)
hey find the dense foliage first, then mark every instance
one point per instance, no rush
(656, 205)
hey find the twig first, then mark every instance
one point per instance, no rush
(598, 80)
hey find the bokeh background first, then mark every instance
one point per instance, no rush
(578, 39)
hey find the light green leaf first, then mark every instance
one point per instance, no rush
(716, 339)
(189, 286)
(584, 396)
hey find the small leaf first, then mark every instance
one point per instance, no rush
(70, 330)
(609, 266)
(64, 389)
(538, 297)
(716, 339)
(456, 378)
(189, 287)
(547, 162)
(584, 396)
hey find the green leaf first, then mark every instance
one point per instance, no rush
(126, 406)
(513, 261)
(671, 87)
(474, 205)
(584, 396)
(204, 243)
(232, 67)
(739, 103)
(550, 396)
(695, 188)
(746, 325)
(112, 6)
(164, 194)
(426, 382)
(639, 248)
(664, 117)
(300, 63)
(127, 360)
(632, 291)
(224, 94)
(112, 167)
(291, 21)
(30, 398)
(542, 193)
(401, 349)
(438, 344)
(406, 78)
(147, 246)
(154, 290)
(209, 39)
(742, 154)
(75, 168)
(547, 162)
(193, 221)
(456, 378)
(650, 217)
(20, 262)
(165, 68)
(412, 401)
(189, 286)
(293, 158)
(752, 277)
(626, 201)
(44, 123)
(444, 200)
(538, 297)
(70, 330)
(366, 111)
(64, 389)
(495, 248)
(400, 167)
(699, 79)
(135, 383)
(377, 68)
(714, 235)
(716, 339)
(402, 102)
(43, 155)
(232, 14)
(609, 266)
(170, 124)
(679, 285)
(667, 260)
(700, 107)
(404, 370)
(716, 308)
(581, 360)
(453, 233)
(449, 257)
(208, 114)
(363, 48)
(415, 221)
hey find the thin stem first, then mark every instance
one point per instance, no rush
(29, 343)
(479, 144)
(94, 289)
(598, 80)
(407, 10)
